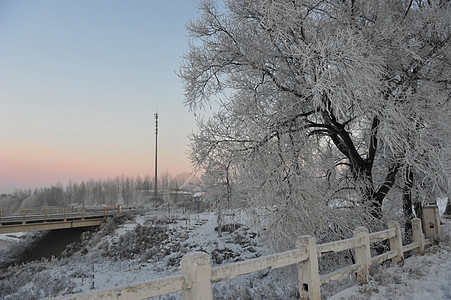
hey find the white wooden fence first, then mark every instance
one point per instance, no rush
(197, 275)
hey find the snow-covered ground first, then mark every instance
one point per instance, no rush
(421, 277)
(139, 249)
(132, 250)
(6, 240)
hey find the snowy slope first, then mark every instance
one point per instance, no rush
(150, 246)
(421, 277)
(142, 249)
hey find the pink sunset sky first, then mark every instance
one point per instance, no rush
(79, 85)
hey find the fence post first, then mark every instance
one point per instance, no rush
(309, 282)
(418, 235)
(363, 254)
(197, 266)
(431, 222)
(396, 243)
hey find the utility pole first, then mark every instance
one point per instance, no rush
(156, 156)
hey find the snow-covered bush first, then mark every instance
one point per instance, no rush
(114, 222)
(144, 241)
(34, 282)
(261, 285)
(91, 238)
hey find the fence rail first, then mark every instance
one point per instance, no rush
(382, 235)
(338, 246)
(273, 261)
(197, 275)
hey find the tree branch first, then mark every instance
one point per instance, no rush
(373, 141)
(387, 185)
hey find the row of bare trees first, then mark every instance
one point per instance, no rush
(123, 190)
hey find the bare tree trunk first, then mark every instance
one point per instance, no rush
(407, 199)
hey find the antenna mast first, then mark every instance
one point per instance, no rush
(156, 156)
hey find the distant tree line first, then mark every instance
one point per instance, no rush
(124, 190)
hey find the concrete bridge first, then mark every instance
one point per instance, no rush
(48, 218)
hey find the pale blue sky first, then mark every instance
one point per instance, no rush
(79, 84)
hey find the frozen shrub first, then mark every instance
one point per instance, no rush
(370, 288)
(414, 271)
(143, 241)
(93, 238)
(248, 287)
(74, 247)
(219, 256)
(114, 222)
(162, 219)
(6, 288)
(384, 278)
(33, 282)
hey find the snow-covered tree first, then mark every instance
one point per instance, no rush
(327, 100)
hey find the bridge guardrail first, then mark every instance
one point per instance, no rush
(25, 215)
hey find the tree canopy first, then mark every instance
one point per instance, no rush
(323, 104)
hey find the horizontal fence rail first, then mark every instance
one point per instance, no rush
(197, 275)
(383, 257)
(168, 285)
(339, 274)
(273, 261)
(338, 246)
(382, 235)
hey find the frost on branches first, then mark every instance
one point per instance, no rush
(327, 111)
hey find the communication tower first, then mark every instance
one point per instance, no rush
(156, 156)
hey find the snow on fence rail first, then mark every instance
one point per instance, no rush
(197, 275)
